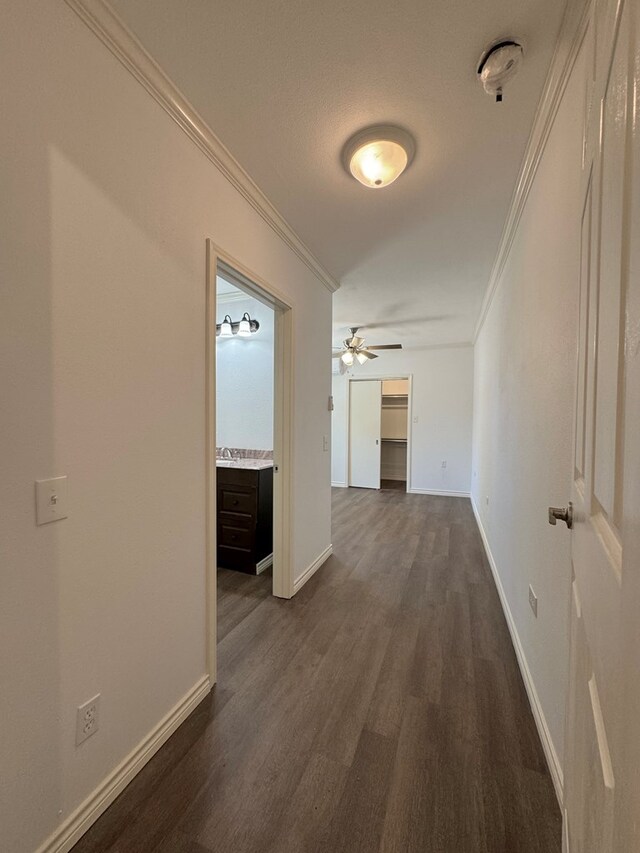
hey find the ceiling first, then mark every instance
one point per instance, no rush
(284, 84)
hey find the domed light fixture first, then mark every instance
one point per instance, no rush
(377, 156)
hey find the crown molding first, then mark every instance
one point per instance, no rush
(232, 297)
(113, 32)
(572, 31)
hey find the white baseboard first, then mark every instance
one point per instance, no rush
(264, 564)
(441, 492)
(339, 486)
(74, 827)
(534, 700)
(312, 569)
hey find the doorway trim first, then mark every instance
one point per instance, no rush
(254, 285)
(381, 378)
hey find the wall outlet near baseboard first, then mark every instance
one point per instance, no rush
(533, 601)
(444, 463)
(87, 718)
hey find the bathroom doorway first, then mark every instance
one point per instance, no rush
(249, 391)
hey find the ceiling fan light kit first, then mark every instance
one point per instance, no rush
(377, 156)
(498, 64)
(354, 349)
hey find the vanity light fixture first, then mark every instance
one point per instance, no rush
(243, 328)
(224, 329)
(377, 156)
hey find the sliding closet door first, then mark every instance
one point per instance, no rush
(365, 408)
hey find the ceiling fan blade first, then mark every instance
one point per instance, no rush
(356, 341)
(386, 346)
(337, 354)
(366, 353)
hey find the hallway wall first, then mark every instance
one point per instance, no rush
(442, 393)
(525, 362)
(106, 207)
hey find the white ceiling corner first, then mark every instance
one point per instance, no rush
(284, 85)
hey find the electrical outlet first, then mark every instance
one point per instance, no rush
(486, 500)
(533, 601)
(87, 719)
(444, 463)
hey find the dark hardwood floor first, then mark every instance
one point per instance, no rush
(380, 710)
(400, 485)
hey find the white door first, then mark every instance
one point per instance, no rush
(365, 413)
(595, 734)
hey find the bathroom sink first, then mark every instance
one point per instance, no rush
(226, 463)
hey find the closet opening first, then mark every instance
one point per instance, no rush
(394, 434)
(379, 433)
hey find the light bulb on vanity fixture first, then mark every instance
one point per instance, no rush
(377, 156)
(225, 330)
(244, 327)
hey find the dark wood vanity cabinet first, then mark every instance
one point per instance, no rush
(245, 517)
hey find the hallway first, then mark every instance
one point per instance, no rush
(380, 710)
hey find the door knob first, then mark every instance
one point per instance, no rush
(561, 513)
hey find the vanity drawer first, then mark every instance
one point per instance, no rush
(232, 534)
(237, 500)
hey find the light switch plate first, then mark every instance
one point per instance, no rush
(51, 500)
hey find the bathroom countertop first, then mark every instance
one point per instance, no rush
(246, 464)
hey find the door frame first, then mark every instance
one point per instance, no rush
(383, 378)
(254, 285)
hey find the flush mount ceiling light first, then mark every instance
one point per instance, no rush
(377, 156)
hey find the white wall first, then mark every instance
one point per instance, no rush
(525, 359)
(106, 206)
(442, 398)
(244, 379)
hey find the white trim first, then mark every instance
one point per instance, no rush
(565, 832)
(74, 827)
(232, 297)
(339, 486)
(534, 700)
(573, 28)
(442, 492)
(312, 569)
(124, 45)
(264, 564)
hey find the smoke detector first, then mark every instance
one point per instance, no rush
(498, 64)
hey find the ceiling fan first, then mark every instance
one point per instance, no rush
(354, 349)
